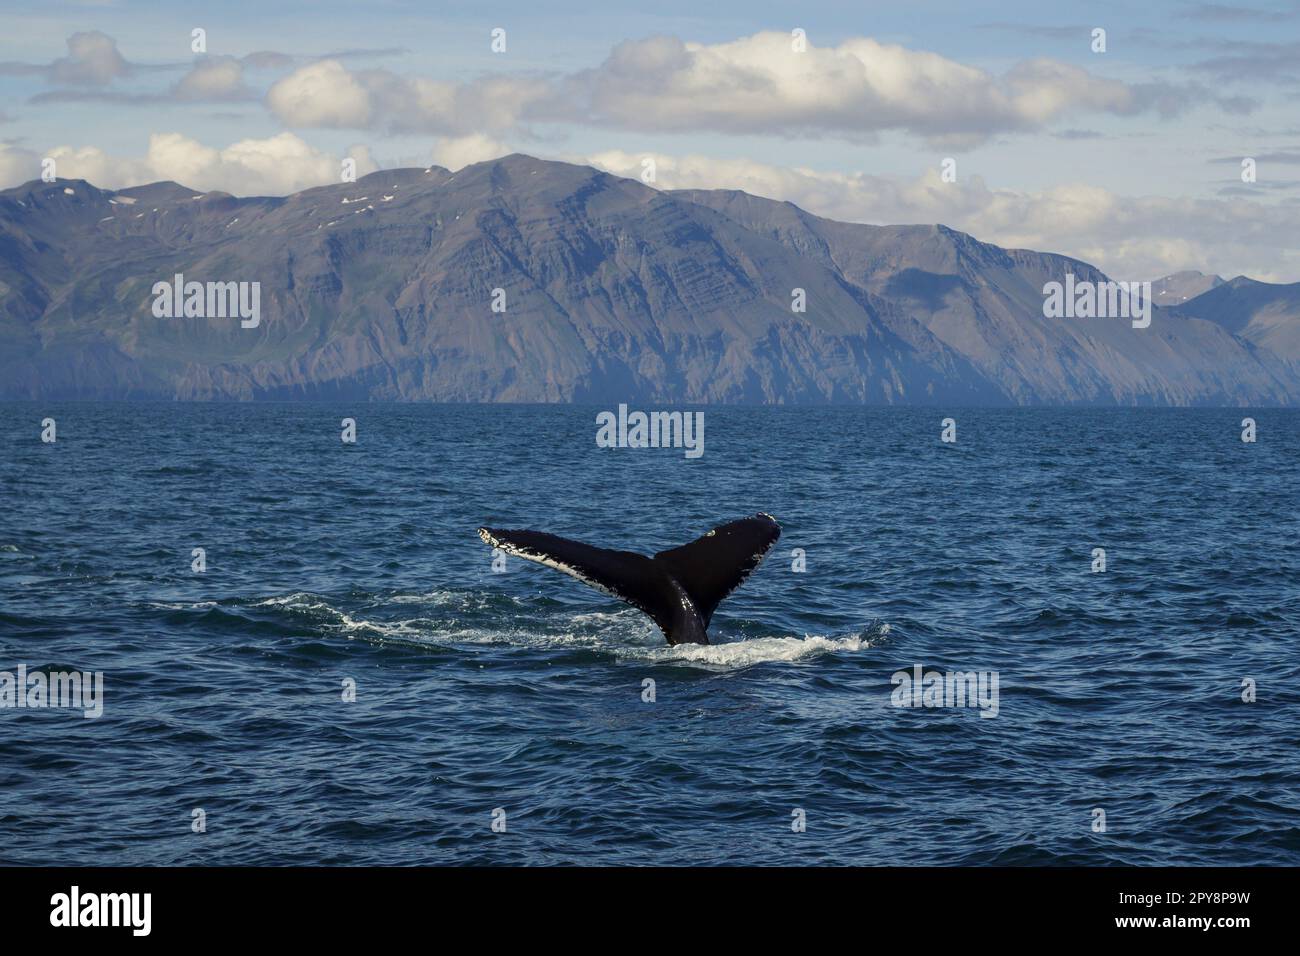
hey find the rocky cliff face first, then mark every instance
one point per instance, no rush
(612, 291)
(1263, 315)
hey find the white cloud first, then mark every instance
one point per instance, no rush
(1140, 237)
(327, 94)
(276, 166)
(92, 60)
(761, 84)
(321, 94)
(756, 84)
(17, 165)
(458, 152)
(213, 78)
(1130, 237)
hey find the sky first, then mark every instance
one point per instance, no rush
(1017, 122)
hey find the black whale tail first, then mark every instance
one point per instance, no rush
(679, 588)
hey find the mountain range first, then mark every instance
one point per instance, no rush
(523, 280)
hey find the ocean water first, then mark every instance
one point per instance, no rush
(522, 691)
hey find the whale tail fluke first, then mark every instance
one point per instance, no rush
(679, 588)
(718, 562)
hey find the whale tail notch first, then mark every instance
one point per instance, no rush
(679, 588)
(718, 562)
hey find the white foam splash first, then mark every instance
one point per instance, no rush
(755, 650)
(414, 629)
(347, 623)
(626, 634)
(297, 598)
(444, 597)
(608, 618)
(432, 597)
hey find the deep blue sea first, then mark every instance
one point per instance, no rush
(1119, 691)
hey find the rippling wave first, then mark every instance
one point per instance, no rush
(332, 565)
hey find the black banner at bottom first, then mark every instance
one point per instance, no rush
(338, 904)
